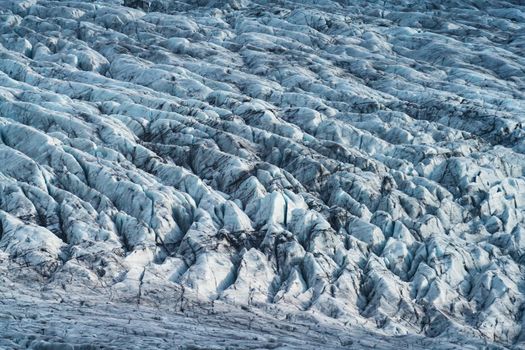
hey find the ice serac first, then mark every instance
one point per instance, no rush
(361, 162)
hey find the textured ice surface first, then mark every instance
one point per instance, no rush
(353, 167)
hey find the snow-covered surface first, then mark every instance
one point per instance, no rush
(353, 169)
(57, 319)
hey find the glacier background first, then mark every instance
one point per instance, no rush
(262, 174)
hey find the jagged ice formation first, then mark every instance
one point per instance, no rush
(362, 161)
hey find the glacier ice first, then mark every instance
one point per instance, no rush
(358, 163)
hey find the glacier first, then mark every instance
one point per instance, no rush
(262, 174)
